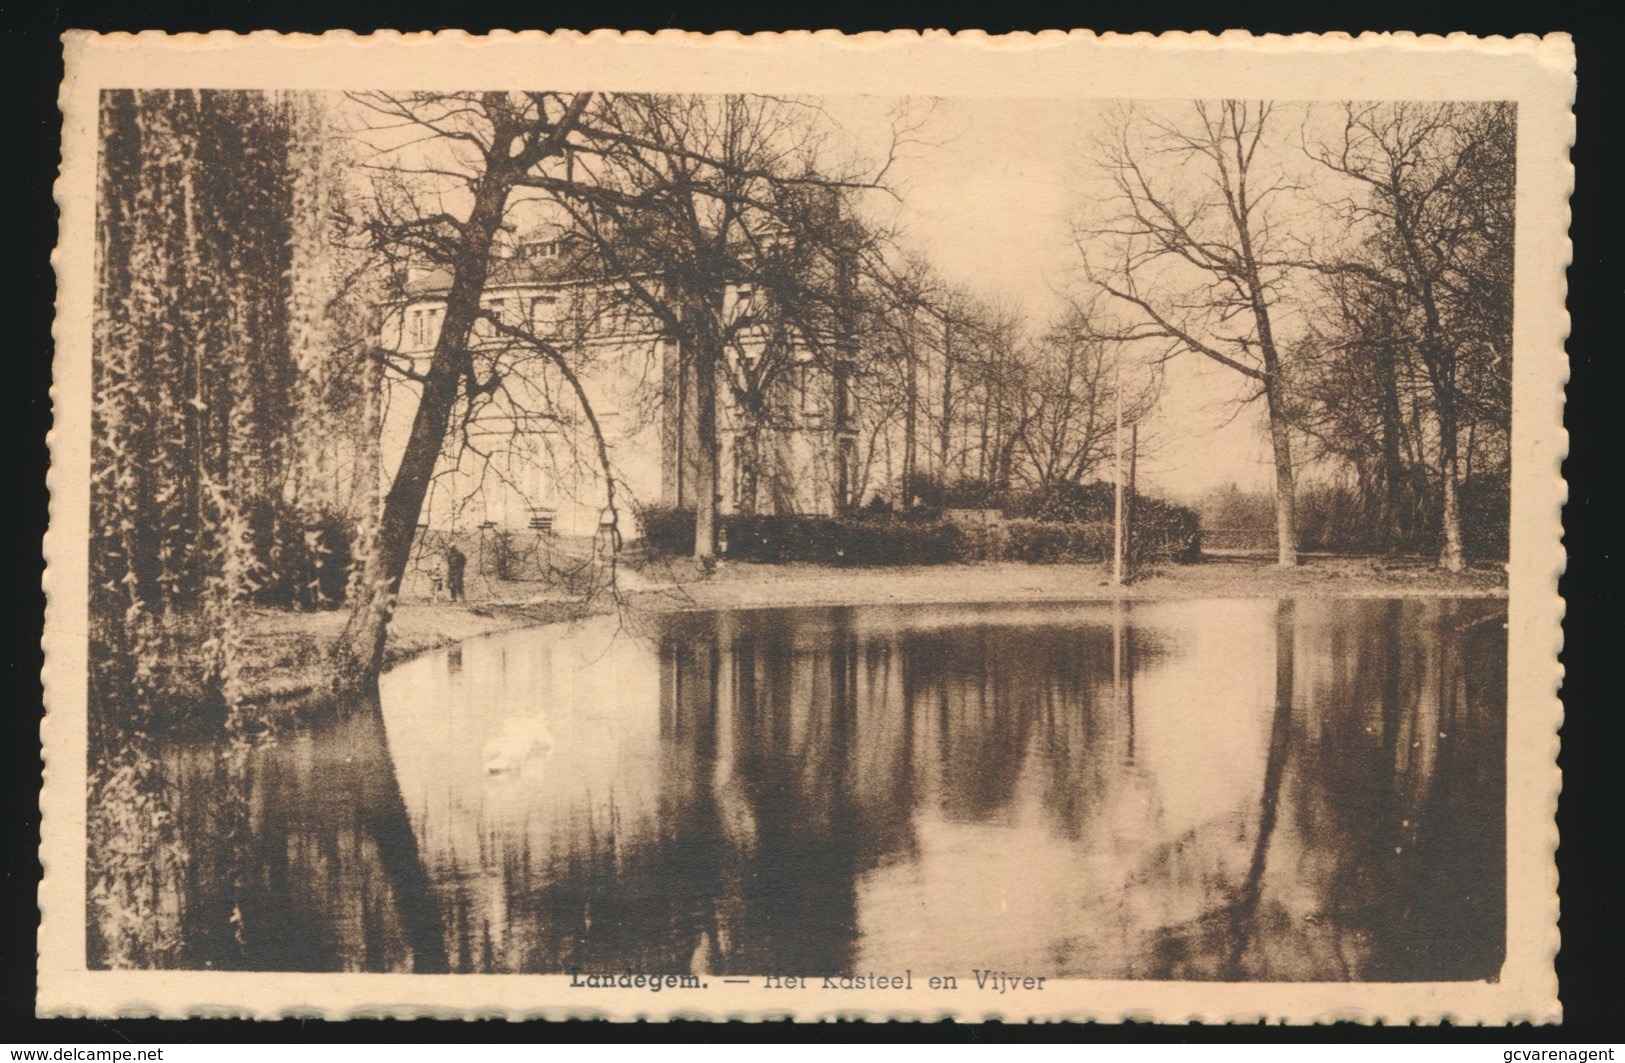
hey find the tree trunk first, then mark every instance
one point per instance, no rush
(1128, 497)
(707, 491)
(362, 648)
(1451, 556)
(1439, 356)
(1389, 533)
(1286, 521)
(990, 413)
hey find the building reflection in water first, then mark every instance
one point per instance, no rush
(1236, 789)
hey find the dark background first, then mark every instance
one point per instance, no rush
(1591, 966)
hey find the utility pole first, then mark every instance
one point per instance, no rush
(943, 436)
(1130, 495)
(911, 395)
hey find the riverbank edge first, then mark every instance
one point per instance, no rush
(751, 586)
(288, 650)
(288, 653)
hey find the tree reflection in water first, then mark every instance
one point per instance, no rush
(1230, 790)
(292, 853)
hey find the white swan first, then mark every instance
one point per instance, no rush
(522, 737)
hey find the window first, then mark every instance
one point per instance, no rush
(541, 520)
(543, 309)
(420, 332)
(743, 318)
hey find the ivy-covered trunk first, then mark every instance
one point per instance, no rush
(196, 390)
(203, 198)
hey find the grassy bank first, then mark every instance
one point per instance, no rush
(288, 651)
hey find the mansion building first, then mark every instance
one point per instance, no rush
(524, 458)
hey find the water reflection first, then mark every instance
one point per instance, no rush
(294, 854)
(1239, 789)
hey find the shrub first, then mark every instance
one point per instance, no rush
(1163, 531)
(877, 506)
(332, 555)
(881, 539)
(1053, 541)
(895, 542)
(667, 529)
(973, 494)
(924, 491)
(841, 540)
(1332, 517)
(1486, 507)
(1080, 503)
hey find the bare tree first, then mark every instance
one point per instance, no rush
(722, 221)
(495, 140)
(896, 294)
(1435, 202)
(1073, 380)
(1366, 394)
(686, 203)
(1189, 249)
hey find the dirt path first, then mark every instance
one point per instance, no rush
(752, 586)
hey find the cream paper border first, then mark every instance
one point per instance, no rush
(1536, 72)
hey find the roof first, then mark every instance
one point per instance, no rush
(536, 260)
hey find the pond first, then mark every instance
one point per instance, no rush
(1220, 789)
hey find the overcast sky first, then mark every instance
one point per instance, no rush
(989, 194)
(989, 189)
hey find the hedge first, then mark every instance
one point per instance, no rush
(1166, 533)
(1162, 531)
(1050, 541)
(667, 530)
(827, 540)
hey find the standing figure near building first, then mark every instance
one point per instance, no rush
(436, 571)
(456, 564)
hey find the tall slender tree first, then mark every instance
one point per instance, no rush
(499, 138)
(1189, 249)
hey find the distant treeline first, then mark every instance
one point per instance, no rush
(1339, 518)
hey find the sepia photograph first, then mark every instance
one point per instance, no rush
(906, 550)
